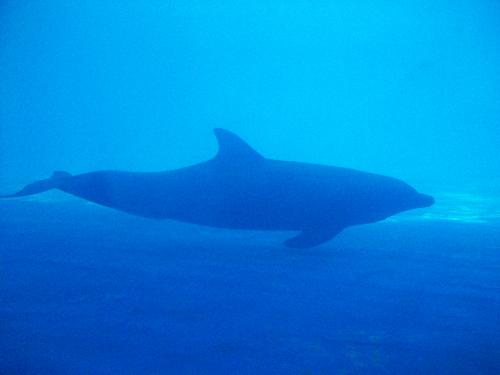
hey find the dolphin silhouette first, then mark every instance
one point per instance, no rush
(241, 189)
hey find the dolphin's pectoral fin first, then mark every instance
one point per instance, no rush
(313, 237)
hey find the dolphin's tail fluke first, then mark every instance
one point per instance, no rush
(40, 186)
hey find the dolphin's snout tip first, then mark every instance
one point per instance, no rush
(426, 200)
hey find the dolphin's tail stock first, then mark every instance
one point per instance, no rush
(40, 186)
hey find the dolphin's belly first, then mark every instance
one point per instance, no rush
(272, 199)
(244, 203)
(205, 198)
(234, 211)
(268, 203)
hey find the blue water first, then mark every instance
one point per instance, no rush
(86, 290)
(406, 90)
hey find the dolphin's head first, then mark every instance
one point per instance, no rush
(391, 196)
(380, 197)
(405, 197)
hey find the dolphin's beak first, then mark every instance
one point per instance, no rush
(425, 200)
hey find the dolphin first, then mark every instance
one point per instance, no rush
(241, 189)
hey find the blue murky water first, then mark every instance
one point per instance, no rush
(89, 290)
(408, 90)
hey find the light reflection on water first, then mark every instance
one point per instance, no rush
(459, 207)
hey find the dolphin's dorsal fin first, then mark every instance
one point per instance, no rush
(233, 148)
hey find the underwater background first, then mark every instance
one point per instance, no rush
(405, 89)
